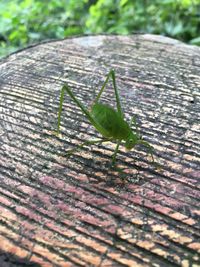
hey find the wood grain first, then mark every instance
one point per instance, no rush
(77, 211)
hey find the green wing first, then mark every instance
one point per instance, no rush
(112, 123)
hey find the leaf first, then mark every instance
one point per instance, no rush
(195, 41)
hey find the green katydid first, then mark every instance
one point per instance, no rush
(107, 121)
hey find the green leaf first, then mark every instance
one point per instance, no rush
(195, 41)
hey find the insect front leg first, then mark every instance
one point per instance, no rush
(149, 148)
(88, 142)
(115, 153)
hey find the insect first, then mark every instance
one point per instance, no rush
(110, 123)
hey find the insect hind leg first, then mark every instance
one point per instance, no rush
(112, 75)
(66, 89)
(134, 122)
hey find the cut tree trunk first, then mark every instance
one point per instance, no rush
(78, 211)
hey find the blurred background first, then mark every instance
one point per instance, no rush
(24, 22)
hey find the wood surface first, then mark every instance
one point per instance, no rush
(78, 211)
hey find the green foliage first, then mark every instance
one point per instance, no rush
(176, 18)
(27, 21)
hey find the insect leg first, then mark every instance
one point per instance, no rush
(115, 153)
(112, 75)
(133, 122)
(60, 108)
(102, 88)
(149, 147)
(112, 72)
(89, 142)
(66, 89)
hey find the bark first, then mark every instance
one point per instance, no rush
(78, 211)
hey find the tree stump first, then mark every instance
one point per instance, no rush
(78, 211)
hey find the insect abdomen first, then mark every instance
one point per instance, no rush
(113, 124)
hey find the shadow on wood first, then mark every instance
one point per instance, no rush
(11, 260)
